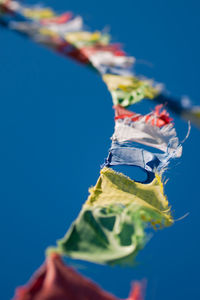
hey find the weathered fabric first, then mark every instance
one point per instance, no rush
(158, 117)
(142, 132)
(151, 163)
(111, 225)
(66, 35)
(127, 90)
(131, 156)
(154, 130)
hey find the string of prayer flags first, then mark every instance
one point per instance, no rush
(114, 223)
(66, 35)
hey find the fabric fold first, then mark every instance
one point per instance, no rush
(54, 280)
(111, 225)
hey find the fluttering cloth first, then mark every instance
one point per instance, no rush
(66, 35)
(56, 281)
(159, 117)
(127, 90)
(154, 130)
(142, 132)
(111, 225)
(131, 156)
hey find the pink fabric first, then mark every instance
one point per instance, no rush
(64, 18)
(138, 289)
(56, 281)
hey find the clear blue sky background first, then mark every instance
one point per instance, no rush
(56, 119)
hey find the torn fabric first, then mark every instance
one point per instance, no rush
(158, 117)
(128, 155)
(111, 225)
(127, 90)
(153, 130)
(66, 35)
(131, 156)
(142, 132)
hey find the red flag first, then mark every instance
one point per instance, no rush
(138, 289)
(64, 18)
(157, 117)
(112, 48)
(56, 281)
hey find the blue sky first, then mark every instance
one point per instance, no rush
(56, 120)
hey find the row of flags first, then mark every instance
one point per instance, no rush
(112, 225)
